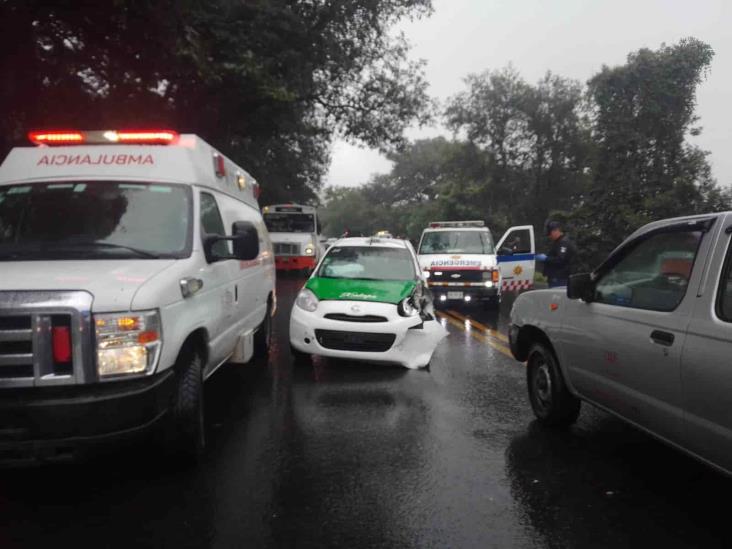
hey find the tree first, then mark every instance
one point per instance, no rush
(645, 169)
(268, 82)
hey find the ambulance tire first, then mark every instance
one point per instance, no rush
(263, 335)
(188, 430)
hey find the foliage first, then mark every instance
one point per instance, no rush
(604, 160)
(269, 82)
(645, 169)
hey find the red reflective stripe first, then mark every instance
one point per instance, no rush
(61, 336)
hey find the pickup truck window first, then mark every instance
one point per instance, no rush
(654, 274)
(724, 297)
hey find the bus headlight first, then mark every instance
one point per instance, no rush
(309, 249)
(127, 343)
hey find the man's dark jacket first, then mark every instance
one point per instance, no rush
(560, 258)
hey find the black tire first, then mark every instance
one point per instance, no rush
(263, 335)
(188, 431)
(299, 357)
(550, 399)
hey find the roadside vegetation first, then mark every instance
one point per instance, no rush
(605, 157)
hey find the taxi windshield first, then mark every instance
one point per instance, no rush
(456, 242)
(94, 220)
(368, 263)
(290, 223)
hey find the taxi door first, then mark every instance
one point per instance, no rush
(516, 253)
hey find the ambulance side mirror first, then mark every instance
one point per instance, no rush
(245, 244)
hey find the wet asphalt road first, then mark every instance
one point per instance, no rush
(347, 455)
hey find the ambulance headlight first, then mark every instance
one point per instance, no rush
(406, 307)
(307, 300)
(127, 343)
(489, 284)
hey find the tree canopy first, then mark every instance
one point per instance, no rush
(605, 158)
(269, 82)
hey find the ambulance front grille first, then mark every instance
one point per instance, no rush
(26, 346)
(474, 275)
(281, 248)
(16, 346)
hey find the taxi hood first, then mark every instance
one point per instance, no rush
(113, 283)
(381, 291)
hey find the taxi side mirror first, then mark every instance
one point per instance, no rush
(581, 286)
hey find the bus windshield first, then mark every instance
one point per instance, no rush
(290, 222)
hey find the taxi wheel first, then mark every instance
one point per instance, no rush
(188, 433)
(263, 335)
(550, 399)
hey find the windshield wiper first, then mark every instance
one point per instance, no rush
(109, 245)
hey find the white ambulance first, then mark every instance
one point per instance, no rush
(462, 263)
(133, 264)
(294, 230)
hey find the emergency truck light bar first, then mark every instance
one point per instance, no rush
(105, 137)
(439, 224)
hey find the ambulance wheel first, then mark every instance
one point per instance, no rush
(263, 335)
(550, 399)
(298, 357)
(188, 431)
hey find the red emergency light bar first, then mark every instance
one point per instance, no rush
(104, 137)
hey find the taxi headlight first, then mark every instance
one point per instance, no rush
(307, 300)
(406, 307)
(127, 343)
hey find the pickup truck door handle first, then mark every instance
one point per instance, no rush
(662, 338)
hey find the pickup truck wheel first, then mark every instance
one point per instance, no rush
(188, 429)
(551, 401)
(263, 335)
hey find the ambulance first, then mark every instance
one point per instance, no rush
(294, 230)
(462, 263)
(134, 264)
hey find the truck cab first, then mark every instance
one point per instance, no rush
(134, 264)
(646, 336)
(295, 233)
(463, 264)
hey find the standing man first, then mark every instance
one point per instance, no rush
(558, 262)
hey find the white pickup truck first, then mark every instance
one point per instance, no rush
(647, 336)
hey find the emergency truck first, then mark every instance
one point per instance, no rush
(294, 230)
(463, 265)
(134, 264)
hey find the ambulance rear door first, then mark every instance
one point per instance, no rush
(515, 253)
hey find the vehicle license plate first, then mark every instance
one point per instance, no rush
(454, 295)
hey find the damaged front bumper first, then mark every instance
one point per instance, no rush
(359, 330)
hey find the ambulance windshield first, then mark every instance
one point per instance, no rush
(290, 222)
(94, 220)
(456, 242)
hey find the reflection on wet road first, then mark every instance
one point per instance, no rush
(353, 455)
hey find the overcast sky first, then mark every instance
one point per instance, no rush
(573, 38)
